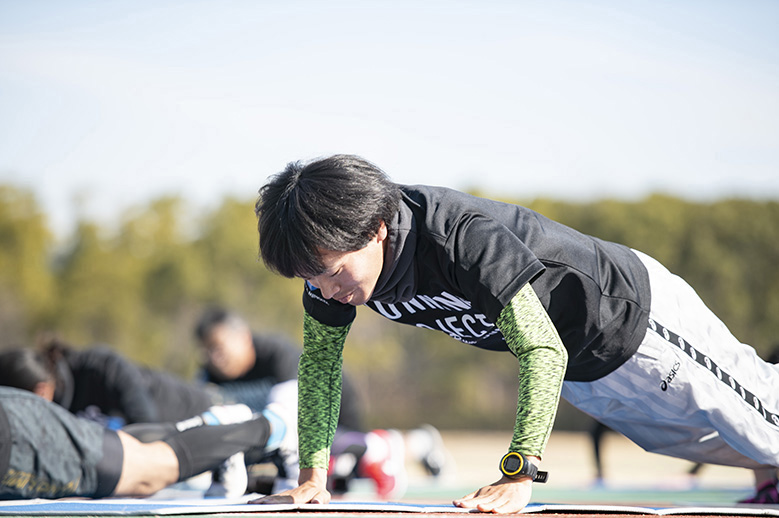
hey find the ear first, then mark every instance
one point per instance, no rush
(383, 232)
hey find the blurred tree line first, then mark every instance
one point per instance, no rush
(141, 284)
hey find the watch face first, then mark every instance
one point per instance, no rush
(512, 463)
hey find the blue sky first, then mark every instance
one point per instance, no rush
(105, 104)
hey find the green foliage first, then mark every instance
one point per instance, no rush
(26, 280)
(141, 287)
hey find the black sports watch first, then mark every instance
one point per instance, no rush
(515, 465)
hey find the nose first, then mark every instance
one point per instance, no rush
(215, 357)
(328, 289)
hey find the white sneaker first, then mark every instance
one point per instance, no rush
(427, 447)
(283, 428)
(227, 414)
(231, 479)
(219, 414)
(283, 440)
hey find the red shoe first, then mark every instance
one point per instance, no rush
(385, 463)
(767, 493)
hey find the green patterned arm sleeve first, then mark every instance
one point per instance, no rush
(319, 390)
(530, 334)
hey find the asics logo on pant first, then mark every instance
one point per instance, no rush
(706, 362)
(670, 377)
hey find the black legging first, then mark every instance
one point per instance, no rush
(203, 448)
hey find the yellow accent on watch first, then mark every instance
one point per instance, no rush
(515, 465)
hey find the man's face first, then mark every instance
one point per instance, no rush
(229, 351)
(350, 277)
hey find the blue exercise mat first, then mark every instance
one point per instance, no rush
(151, 507)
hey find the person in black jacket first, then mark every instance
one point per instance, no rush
(246, 366)
(101, 385)
(47, 452)
(605, 326)
(98, 382)
(255, 369)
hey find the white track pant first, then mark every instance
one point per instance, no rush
(692, 390)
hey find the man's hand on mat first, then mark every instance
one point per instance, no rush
(504, 496)
(312, 489)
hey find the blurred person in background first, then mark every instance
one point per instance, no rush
(596, 433)
(48, 452)
(101, 385)
(247, 365)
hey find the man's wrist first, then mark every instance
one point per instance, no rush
(317, 476)
(516, 466)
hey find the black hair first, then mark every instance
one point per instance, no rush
(335, 203)
(24, 369)
(216, 316)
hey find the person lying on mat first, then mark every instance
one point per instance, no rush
(622, 338)
(47, 452)
(97, 381)
(99, 384)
